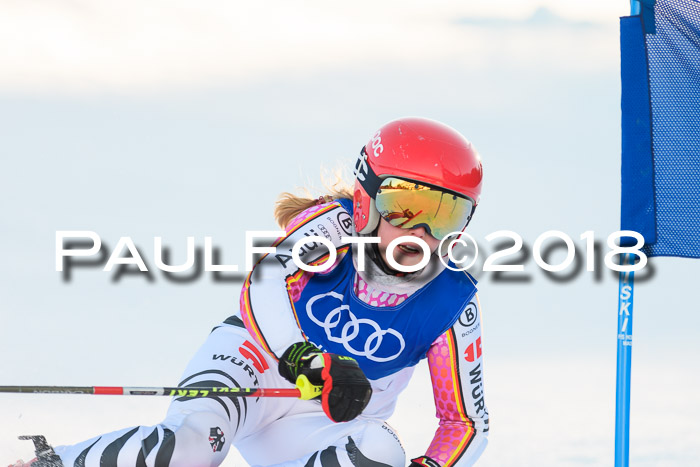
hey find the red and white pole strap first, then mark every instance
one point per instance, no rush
(193, 392)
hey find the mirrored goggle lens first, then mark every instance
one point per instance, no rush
(408, 205)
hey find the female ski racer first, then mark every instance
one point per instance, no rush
(353, 333)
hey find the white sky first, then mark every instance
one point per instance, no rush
(132, 46)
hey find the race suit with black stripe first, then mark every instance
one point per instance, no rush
(387, 323)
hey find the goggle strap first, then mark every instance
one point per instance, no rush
(366, 176)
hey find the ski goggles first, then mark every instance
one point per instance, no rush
(408, 204)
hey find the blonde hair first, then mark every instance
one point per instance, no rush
(289, 205)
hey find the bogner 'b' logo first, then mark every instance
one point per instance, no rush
(343, 327)
(469, 316)
(345, 222)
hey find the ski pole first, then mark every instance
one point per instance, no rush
(304, 390)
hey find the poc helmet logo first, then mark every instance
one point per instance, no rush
(377, 147)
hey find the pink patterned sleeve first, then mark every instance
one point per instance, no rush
(456, 372)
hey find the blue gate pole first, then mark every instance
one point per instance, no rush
(625, 303)
(624, 363)
(635, 7)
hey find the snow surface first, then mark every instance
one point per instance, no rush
(543, 413)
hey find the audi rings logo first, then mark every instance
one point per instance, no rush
(350, 329)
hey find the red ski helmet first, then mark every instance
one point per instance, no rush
(419, 150)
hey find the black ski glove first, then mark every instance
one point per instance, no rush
(424, 461)
(345, 388)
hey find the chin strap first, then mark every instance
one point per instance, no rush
(377, 259)
(374, 254)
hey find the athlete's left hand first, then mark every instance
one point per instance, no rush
(346, 390)
(21, 463)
